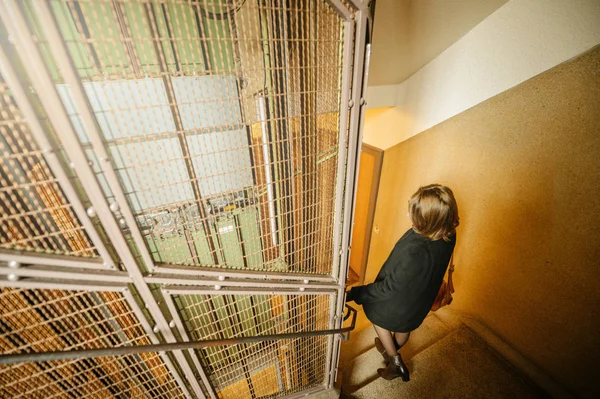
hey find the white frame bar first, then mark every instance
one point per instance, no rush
(349, 39)
(44, 85)
(32, 258)
(53, 272)
(38, 132)
(343, 133)
(73, 285)
(331, 338)
(353, 147)
(233, 282)
(162, 268)
(178, 290)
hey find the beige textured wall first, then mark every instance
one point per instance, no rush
(525, 168)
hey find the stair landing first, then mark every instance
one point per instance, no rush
(445, 361)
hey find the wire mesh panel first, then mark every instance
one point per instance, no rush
(221, 122)
(272, 368)
(34, 212)
(102, 377)
(221, 119)
(39, 320)
(277, 369)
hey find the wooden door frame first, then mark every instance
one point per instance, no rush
(377, 165)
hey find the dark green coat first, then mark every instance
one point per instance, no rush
(407, 283)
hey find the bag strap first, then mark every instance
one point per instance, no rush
(450, 271)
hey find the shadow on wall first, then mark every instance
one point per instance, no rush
(524, 166)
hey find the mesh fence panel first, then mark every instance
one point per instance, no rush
(221, 119)
(102, 377)
(34, 213)
(39, 320)
(265, 368)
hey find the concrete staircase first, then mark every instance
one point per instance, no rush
(449, 356)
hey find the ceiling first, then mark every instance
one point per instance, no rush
(409, 33)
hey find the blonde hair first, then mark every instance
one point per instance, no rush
(434, 212)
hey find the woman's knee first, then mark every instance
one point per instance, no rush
(401, 338)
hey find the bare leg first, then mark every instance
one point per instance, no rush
(386, 339)
(401, 338)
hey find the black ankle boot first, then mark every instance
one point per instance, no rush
(395, 368)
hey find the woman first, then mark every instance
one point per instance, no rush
(410, 278)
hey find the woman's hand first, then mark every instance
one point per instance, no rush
(349, 296)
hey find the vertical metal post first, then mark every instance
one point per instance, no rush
(339, 190)
(354, 143)
(24, 104)
(330, 367)
(35, 67)
(343, 143)
(351, 168)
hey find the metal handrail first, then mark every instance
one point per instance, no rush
(128, 350)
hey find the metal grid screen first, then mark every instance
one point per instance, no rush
(221, 119)
(272, 368)
(213, 130)
(34, 213)
(35, 320)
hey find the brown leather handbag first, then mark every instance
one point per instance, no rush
(444, 296)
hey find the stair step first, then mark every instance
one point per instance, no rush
(431, 331)
(459, 365)
(358, 344)
(361, 370)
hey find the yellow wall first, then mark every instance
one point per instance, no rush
(384, 127)
(525, 168)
